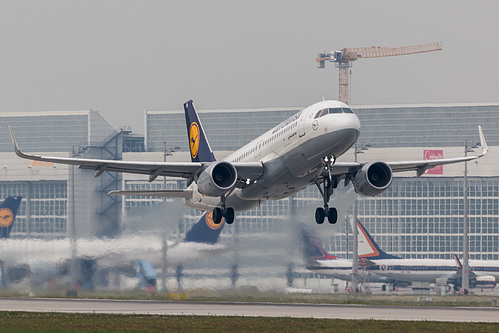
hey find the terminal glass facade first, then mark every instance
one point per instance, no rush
(427, 126)
(423, 217)
(43, 211)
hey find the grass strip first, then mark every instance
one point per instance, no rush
(51, 322)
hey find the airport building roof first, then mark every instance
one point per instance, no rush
(54, 131)
(418, 125)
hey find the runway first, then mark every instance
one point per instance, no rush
(430, 313)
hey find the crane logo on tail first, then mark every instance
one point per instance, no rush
(211, 224)
(194, 134)
(6, 217)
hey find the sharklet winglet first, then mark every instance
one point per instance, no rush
(483, 143)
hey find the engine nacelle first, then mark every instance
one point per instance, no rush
(372, 179)
(484, 281)
(217, 179)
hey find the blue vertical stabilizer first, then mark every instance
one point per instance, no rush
(375, 252)
(205, 230)
(198, 143)
(8, 211)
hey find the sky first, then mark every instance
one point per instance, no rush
(123, 57)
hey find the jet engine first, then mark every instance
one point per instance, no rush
(372, 179)
(217, 179)
(484, 281)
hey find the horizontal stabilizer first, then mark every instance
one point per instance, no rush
(156, 193)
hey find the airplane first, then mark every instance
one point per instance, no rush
(300, 151)
(378, 266)
(399, 271)
(47, 258)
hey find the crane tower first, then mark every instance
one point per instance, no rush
(344, 59)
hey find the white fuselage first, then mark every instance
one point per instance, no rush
(404, 270)
(429, 270)
(292, 155)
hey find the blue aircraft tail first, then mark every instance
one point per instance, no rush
(8, 211)
(146, 275)
(372, 250)
(205, 230)
(198, 143)
(312, 246)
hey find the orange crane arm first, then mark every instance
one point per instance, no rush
(345, 57)
(351, 54)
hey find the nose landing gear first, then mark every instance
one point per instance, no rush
(329, 184)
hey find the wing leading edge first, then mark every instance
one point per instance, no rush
(420, 166)
(187, 170)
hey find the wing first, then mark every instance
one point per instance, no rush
(188, 170)
(344, 169)
(156, 193)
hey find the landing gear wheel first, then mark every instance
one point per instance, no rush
(332, 215)
(329, 183)
(217, 215)
(319, 215)
(229, 215)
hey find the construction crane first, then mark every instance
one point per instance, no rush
(344, 58)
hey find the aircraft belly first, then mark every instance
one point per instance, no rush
(306, 157)
(235, 201)
(276, 183)
(412, 276)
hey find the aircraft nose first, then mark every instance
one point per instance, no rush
(348, 121)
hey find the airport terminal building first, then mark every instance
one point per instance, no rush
(414, 218)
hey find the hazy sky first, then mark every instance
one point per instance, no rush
(123, 57)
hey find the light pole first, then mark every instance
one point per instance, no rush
(169, 150)
(359, 149)
(73, 270)
(468, 147)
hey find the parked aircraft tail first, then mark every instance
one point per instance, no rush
(313, 248)
(8, 211)
(198, 143)
(368, 248)
(458, 262)
(205, 230)
(146, 275)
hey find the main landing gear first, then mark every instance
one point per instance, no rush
(222, 211)
(329, 184)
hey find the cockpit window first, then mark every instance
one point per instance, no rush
(332, 110)
(321, 113)
(335, 110)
